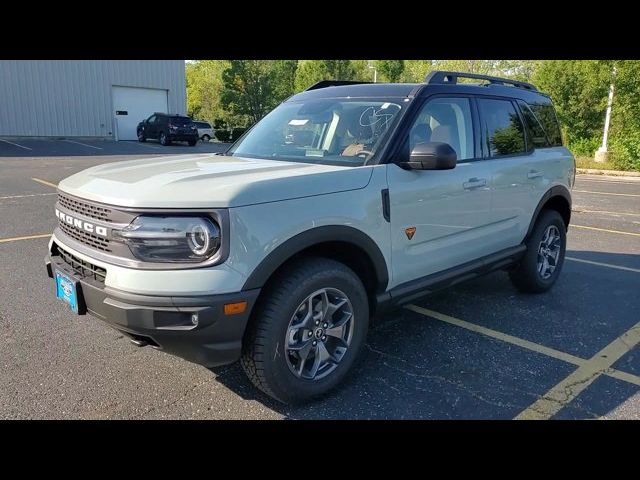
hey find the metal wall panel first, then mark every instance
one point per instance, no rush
(73, 97)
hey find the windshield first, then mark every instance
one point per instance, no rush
(326, 131)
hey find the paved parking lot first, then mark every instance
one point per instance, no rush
(478, 350)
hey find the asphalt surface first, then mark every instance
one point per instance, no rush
(478, 350)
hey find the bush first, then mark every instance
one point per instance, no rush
(625, 152)
(226, 136)
(585, 147)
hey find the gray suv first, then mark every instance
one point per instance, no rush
(344, 201)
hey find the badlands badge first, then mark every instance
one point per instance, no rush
(410, 231)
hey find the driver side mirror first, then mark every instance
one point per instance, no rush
(431, 156)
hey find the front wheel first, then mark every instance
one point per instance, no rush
(541, 265)
(141, 137)
(308, 330)
(192, 143)
(206, 138)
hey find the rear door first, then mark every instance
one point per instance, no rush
(514, 171)
(440, 218)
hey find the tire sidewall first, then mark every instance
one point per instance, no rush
(548, 218)
(278, 372)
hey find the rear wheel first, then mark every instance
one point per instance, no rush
(164, 140)
(541, 265)
(192, 143)
(141, 137)
(206, 138)
(308, 330)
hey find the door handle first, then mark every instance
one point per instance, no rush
(534, 174)
(474, 183)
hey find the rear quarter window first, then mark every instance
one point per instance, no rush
(546, 115)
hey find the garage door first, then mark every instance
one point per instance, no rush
(131, 105)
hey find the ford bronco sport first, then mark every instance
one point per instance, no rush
(345, 200)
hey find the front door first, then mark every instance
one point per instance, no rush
(440, 218)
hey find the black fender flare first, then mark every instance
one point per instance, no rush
(315, 236)
(555, 191)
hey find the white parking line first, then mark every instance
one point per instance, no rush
(605, 212)
(83, 144)
(601, 264)
(21, 146)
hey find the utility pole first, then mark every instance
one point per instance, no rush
(602, 155)
(375, 71)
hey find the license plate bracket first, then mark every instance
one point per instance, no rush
(69, 291)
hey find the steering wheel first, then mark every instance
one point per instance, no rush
(364, 153)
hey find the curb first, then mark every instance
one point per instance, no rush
(613, 173)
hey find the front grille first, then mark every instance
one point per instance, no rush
(86, 209)
(81, 268)
(87, 238)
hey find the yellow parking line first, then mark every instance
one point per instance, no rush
(620, 232)
(569, 388)
(601, 264)
(25, 196)
(609, 193)
(550, 352)
(520, 342)
(29, 237)
(44, 182)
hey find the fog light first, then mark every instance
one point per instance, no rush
(194, 319)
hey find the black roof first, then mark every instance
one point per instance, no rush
(435, 82)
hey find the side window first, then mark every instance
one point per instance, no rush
(546, 115)
(503, 128)
(152, 119)
(537, 136)
(445, 120)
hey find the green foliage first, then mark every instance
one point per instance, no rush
(314, 71)
(389, 70)
(584, 147)
(579, 91)
(625, 151)
(232, 94)
(252, 88)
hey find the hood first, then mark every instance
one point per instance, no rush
(209, 181)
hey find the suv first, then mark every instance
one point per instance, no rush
(345, 200)
(168, 128)
(205, 132)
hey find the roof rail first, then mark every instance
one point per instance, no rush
(332, 83)
(452, 77)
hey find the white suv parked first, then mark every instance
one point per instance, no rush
(205, 132)
(345, 200)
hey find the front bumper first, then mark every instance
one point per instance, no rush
(165, 322)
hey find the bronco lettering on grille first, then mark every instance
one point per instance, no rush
(81, 224)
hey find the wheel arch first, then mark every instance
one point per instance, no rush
(346, 244)
(556, 198)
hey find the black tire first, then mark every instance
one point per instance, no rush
(263, 357)
(192, 143)
(206, 138)
(164, 140)
(526, 276)
(141, 137)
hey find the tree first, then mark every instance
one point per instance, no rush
(390, 70)
(313, 71)
(253, 87)
(579, 90)
(204, 86)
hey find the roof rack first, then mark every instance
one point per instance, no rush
(333, 83)
(452, 77)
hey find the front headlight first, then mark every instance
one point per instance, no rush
(171, 239)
